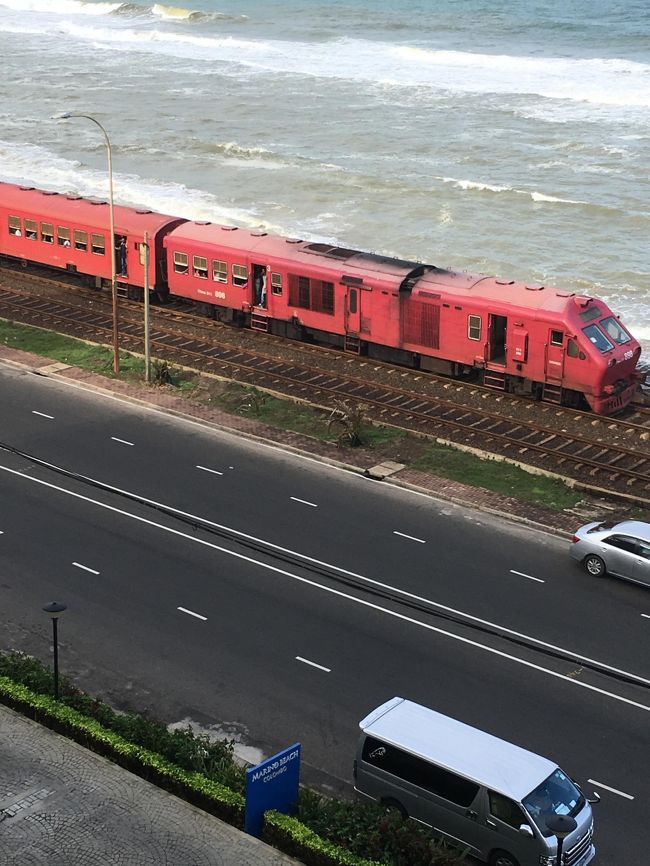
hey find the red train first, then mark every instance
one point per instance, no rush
(525, 339)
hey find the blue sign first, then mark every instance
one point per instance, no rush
(273, 784)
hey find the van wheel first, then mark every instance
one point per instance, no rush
(594, 565)
(502, 858)
(394, 807)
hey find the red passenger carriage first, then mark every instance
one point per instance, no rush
(72, 233)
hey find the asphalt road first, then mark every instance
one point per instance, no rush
(304, 596)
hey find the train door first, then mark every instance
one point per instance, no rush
(353, 309)
(555, 356)
(497, 339)
(259, 286)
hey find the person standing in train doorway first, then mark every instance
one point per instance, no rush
(122, 256)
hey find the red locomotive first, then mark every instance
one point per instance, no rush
(524, 339)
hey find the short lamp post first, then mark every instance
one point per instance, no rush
(561, 826)
(66, 115)
(54, 609)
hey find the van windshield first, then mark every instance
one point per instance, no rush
(557, 795)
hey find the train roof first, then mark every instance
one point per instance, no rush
(421, 280)
(47, 204)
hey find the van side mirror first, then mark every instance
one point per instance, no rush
(596, 798)
(525, 830)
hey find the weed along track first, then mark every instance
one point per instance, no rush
(608, 455)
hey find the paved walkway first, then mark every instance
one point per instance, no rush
(62, 805)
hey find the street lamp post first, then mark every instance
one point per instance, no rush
(54, 609)
(66, 115)
(561, 826)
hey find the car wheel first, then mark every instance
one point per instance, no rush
(502, 858)
(594, 565)
(394, 807)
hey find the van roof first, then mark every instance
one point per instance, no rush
(474, 754)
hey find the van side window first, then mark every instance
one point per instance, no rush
(506, 810)
(418, 772)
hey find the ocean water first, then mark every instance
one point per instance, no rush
(507, 138)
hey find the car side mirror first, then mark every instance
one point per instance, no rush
(525, 830)
(596, 798)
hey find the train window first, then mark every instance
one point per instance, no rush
(353, 301)
(80, 240)
(557, 338)
(98, 244)
(219, 271)
(276, 284)
(614, 331)
(597, 337)
(239, 275)
(63, 236)
(200, 266)
(31, 230)
(14, 226)
(573, 351)
(181, 263)
(590, 313)
(474, 327)
(47, 233)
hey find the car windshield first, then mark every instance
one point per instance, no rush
(597, 337)
(615, 331)
(555, 796)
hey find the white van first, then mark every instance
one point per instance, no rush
(475, 790)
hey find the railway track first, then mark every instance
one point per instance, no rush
(604, 454)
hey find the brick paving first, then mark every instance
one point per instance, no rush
(62, 805)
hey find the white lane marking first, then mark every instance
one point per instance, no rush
(530, 577)
(395, 614)
(191, 613)
(205, 469)
(410, 537)
(313, 664)
(121, 441)
(646, 615)
(85, 568)
(304, 502)
(613, 790)
(42, 414)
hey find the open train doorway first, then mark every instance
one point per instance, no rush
(498, 327)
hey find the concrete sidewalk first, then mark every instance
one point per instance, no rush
(63, 805)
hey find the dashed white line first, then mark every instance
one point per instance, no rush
(121, 441)
(304, 502)
(528, 576)
(205, 469)
(191, 613)
(612, 790)
(313, 664)
(85, 568)
(646, 615)
(410, 537)
(42, 414)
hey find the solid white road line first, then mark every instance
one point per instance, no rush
(304, 502)
(313, 664)
(208, 544)
(530, 577)
(85, 568)
(205, 469)
(42, 414)
(646, 615)
(121, 441)
(612, 790)
(410, 537)
(191, 613)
